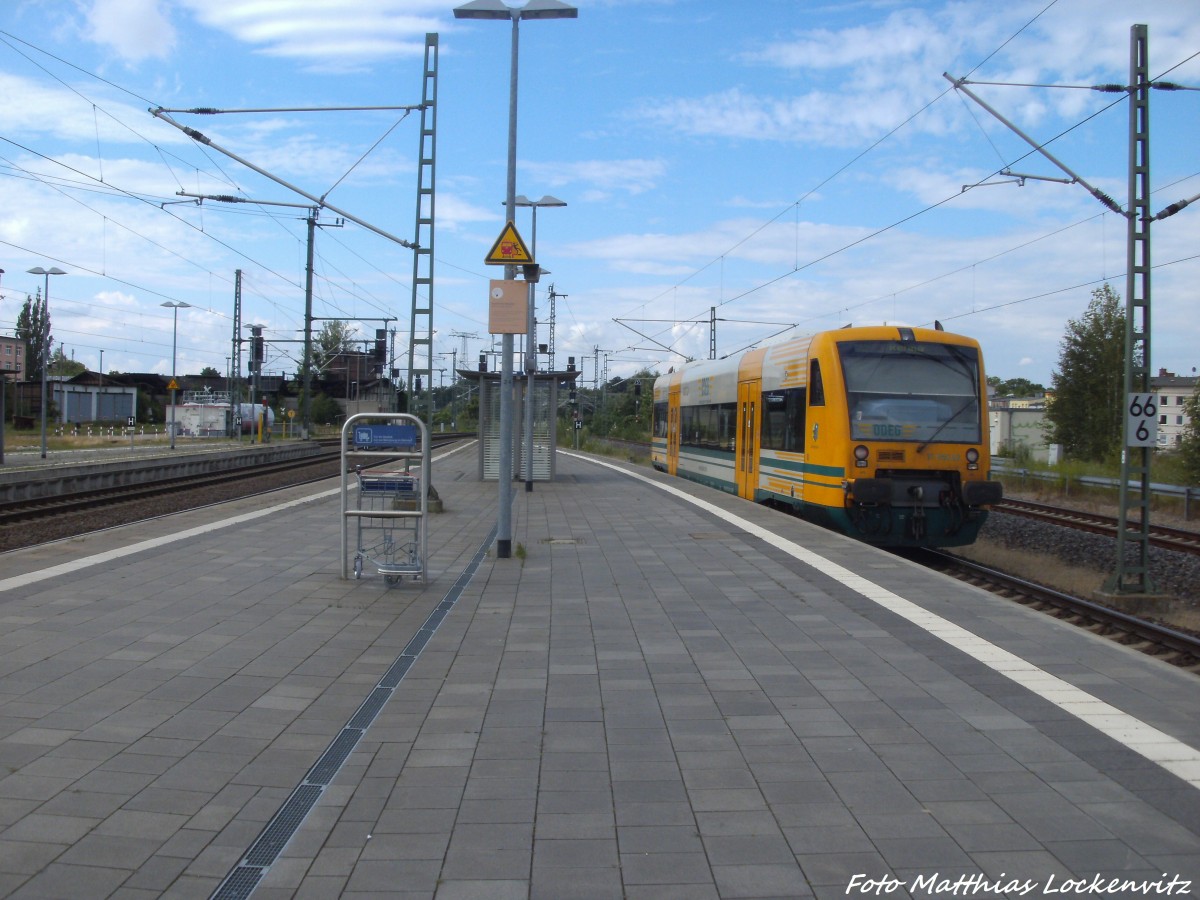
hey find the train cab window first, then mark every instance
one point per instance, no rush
(783, 420)
(912, 391)
(815, 385)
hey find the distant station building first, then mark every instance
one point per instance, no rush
(1173, 392)
(12, 358)
(94, 397)
(1019, 424)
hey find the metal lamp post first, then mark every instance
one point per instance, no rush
(175, 306)
(531, 337)
(45, 361)
(496, 9)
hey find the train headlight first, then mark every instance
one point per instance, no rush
(972, 458)
(860, 456)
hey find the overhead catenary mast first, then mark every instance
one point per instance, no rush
(421, 330)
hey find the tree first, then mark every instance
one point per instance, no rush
(209, 372)
(33, 327)
(1085, 415)
(325, 410)
(334, 337)
(61, 364)
(1015, 387)
(1189, 448)
(627, 407)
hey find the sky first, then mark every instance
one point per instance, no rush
(786, 166)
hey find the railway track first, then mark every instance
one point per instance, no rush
(28, 513)
(1179, 648)
(1160, 536)
(322, 465)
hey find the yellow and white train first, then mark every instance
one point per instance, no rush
(879, 432)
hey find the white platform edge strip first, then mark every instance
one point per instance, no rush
(75, 565)
(1173, 755)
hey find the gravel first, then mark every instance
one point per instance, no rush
(1172, 572)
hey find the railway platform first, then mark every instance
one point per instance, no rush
(665, 692)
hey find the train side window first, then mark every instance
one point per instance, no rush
(816, 385)
(783, 420)
(774, 420)
(798, 416)
(660, 419)
(710, 426)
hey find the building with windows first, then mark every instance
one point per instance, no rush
(1018, 425)
(12, 358)
(1173, 392)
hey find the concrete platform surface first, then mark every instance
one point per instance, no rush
(664, 693)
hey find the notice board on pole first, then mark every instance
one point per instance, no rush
(507, 307)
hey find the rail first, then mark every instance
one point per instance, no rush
(1180, 648)
(1189, 494)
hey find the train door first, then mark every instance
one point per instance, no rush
(746, 451)
(673, 428)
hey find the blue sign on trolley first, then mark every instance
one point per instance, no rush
(391, 437)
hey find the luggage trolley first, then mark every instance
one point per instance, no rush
(391, 504)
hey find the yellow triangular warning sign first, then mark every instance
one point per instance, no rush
(509, 249)
(173, 386)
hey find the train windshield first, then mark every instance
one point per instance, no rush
(912, 391)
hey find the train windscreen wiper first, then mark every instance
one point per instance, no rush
(958, 412)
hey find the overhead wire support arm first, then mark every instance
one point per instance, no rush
(230, 198)
(1019, 179)
(1174, 208)
(1022, 177)
(213, 111)
(650, 339)
(960, 84)
(200, 137)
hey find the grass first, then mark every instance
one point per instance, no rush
(32, 440)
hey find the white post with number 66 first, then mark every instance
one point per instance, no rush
(1141, 421)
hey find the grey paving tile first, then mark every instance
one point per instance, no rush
(837, 868)
(733, 722)
(487, 889)
(60, 881)
(54, 829)
(761, 881)
(665, 868)
(575, 853)
(576, 883)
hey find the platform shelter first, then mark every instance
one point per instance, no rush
(545, 386)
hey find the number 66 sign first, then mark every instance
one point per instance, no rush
(1141, 421)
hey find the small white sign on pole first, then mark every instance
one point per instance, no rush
(1141, 421)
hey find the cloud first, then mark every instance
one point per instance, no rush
(135, 29)
(34, 109)
(606, 176)
(825, 118)
(329, 34)
(849, 86)
(903, 36)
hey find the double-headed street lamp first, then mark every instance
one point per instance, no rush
(45, 360)
(496, 9)
(175, 306)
